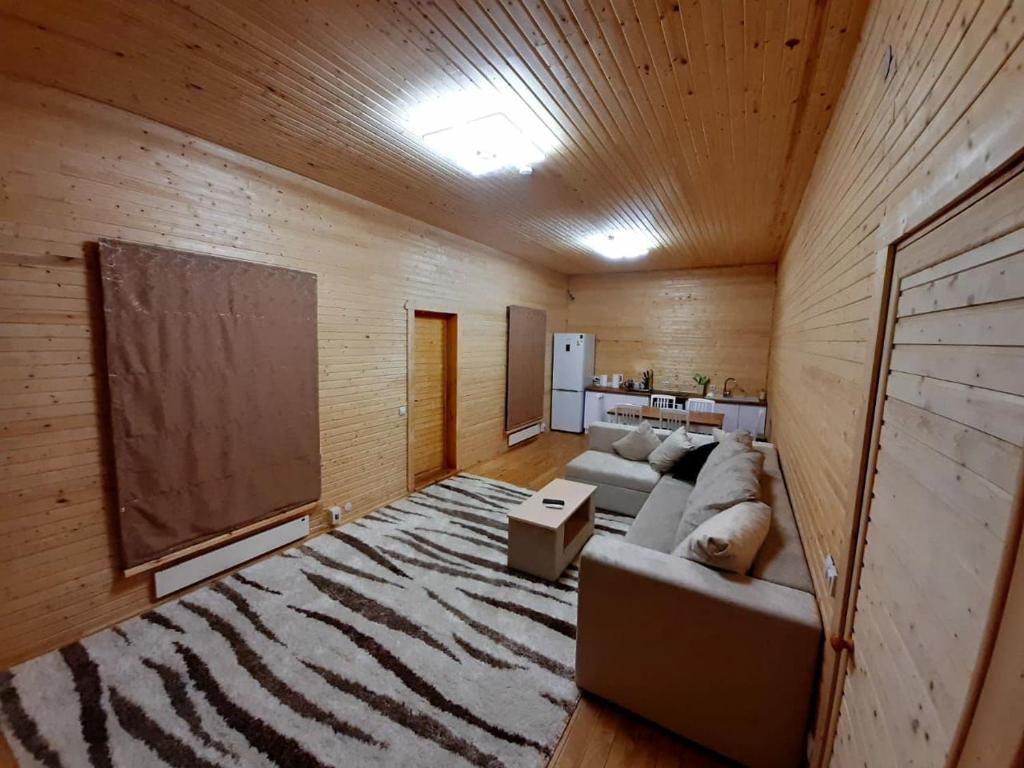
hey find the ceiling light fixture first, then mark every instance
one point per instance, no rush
(621, 243)
(483, 132)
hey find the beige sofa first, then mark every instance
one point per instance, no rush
(727, 661)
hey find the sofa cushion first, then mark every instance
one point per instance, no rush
(745, 438)
(781, 557)
(638, 444)
(600, 468)
(664, 457)
(730, 540)
(656, 524)
(723, 452)
(729, 482)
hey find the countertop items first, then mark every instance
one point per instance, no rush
(618, 390)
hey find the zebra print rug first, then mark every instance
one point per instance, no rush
(399, 639)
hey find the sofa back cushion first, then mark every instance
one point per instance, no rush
(740, 436)
(721, 485)
(727, 450)
(781, 558)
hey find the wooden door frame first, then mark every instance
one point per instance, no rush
(451, 415)
(839, 638)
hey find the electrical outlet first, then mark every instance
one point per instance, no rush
(403, 410)
(348, 506)
(831, 575)
(335, 515)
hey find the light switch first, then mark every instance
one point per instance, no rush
(403, 410)
(831, 575)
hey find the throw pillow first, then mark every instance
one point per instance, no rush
(691, 462)
(638, 444)
(742, 437)
(735, 480)
(730, 540)
(664, 457)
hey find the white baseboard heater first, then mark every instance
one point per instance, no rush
(203, 567)
(515, 438)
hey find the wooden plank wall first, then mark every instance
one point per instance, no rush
(679, 322)
(896, 153)
(72, 170)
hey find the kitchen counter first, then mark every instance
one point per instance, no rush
(733, 400)
(618, 390)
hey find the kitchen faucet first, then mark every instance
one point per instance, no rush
(726, 390)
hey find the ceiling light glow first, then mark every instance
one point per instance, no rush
(621, 243)
(483, 132)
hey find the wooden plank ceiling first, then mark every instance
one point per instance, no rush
(698, 120)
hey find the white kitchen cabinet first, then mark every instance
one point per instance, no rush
(731, 412)
(752, 419)
(746, 417)
(597, 404)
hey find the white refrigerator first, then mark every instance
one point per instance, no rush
(572, 370)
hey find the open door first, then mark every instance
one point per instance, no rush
(433, 387)
(941, 519)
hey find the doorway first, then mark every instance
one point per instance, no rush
(433, 400)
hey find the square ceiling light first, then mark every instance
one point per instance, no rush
(483, 132)
(621, 243)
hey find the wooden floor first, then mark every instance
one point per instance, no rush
(599, 735)
(536, 463)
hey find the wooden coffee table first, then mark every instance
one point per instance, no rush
(543, 541)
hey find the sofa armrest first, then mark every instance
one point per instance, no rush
(725, 660)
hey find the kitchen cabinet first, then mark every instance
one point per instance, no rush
(731, 412)
(748, 417)
(752, 419)
(741, 416)
(597, 404)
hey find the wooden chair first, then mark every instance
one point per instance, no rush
(700, 405)
(627, 414)
(663, 401)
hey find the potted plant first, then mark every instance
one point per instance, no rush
(702, 381)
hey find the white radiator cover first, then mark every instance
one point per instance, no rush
(203, 567)
(523, 434)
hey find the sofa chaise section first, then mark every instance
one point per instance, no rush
(724, 660)
(622, 485)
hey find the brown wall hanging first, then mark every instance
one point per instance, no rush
(212, 375)
(524, 383)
